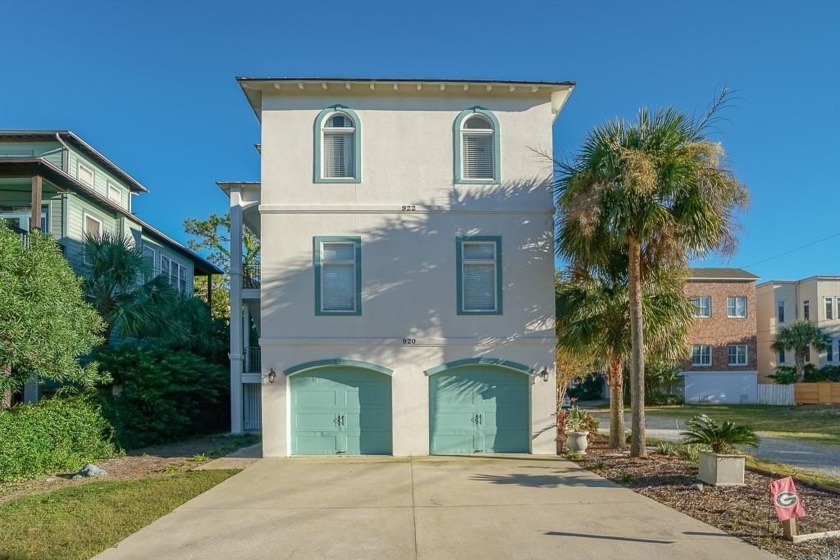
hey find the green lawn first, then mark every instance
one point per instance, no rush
(813, 422)
(84, 520)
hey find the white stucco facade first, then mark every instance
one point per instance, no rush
(408, 211)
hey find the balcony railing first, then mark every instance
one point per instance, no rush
(251, 276)
(253, 360)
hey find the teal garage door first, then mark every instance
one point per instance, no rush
(479, 408)
(341, 410)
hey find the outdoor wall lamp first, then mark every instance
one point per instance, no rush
(272, 375)
(544, 375)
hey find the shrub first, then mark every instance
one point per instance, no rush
(785, 375)
(666, 448)
(825, 373)
(689, 452)
(579, 420)
(164, 394)
(720, 438)
(59, 434)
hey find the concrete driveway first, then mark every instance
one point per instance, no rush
(431, 507)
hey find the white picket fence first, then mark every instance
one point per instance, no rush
(770, 393)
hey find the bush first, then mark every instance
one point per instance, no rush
(658, 398)
(666, 448)
(59, 434)
(164, 395)
(825, 373)
(720, 438)
(785, 375)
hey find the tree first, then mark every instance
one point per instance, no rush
(657, 188)
(593, 310)
(45, 323)
(798, 337)
(119, 287)
(213, 236)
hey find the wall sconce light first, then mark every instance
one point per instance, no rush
(544, 375)
(272, 375)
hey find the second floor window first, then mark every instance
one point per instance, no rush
(781, 356)
(338, 275)
(175, 272)
(479, 261)
(806, 310)
(337, 137)
(476, 147)
(702, 306)
(780, 312)
(736, 306)
(85, 174)
(701, 355)
(829, 308)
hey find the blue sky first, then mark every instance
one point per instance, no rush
(151, 85)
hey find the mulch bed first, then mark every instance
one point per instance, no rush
(745, 512)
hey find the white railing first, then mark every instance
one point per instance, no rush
(781, 395)
(251, 406)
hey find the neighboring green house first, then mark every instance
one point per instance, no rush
(54, 181)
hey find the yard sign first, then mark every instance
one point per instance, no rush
(786, 500)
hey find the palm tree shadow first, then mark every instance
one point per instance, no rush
(560, 480)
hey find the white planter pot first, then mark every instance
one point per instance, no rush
(578, 442)
(721, 470)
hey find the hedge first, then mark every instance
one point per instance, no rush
(58, 434)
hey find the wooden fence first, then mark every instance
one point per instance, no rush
(770, 393)
(817, 393)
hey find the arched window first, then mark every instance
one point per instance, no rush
(476, 147)
(337, 158)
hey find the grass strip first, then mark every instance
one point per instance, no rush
(81, 521)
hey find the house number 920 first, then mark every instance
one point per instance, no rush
(409, 207)
(409, 341)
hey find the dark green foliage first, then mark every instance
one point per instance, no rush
(60, 434)
(825, 373)
(799, 336)
(720, 438)
(588, 388)
(45, 324)
(164, 394)
(786, 375)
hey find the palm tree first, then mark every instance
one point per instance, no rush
(659, 189)
(593, 310)
(117, 284)
(798, 337)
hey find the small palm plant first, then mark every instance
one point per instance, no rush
(721, 438)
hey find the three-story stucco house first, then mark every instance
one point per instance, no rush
(405, 301)
(783, 302)
(54, 181)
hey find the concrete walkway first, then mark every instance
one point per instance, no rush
(430, 508)
(813, 456)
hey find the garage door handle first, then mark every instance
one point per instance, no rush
(481, 419)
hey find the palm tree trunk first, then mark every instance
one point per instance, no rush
(799, 362)
(637, 363)
(616, 404)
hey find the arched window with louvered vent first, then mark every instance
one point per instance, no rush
(476, 147)
(337, 149)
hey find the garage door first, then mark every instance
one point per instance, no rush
(341, 410)
(479, 408)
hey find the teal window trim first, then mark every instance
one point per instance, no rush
(498, 362)
(458, 146)
(317, 244)
(338, 362)
(459, 261)
(318, 141)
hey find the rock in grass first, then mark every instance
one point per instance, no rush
(90, 470)
(699, 487)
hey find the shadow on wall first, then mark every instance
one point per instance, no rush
(398, 248)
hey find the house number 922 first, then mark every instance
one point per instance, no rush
(409, 341)
(409, 207)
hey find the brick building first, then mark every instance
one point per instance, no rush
(724, 355)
